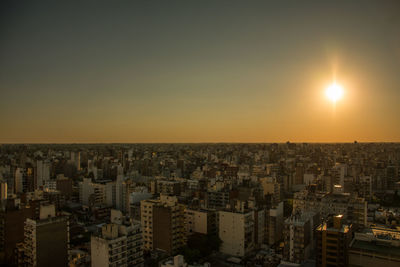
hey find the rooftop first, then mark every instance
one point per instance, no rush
(375, 247)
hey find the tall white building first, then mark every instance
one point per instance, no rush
(236, 230)
(91, 193)
(42, 173)
(18, 184)
(339, 172)
(76, 159)
(117, 194)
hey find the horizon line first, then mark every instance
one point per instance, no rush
(211, 142)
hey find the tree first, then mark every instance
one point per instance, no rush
(190, 255)
(206, 244)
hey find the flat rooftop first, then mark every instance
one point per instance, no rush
(376, 248)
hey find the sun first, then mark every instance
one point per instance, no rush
(334, 92)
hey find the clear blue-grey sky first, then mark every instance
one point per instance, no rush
(198, 71)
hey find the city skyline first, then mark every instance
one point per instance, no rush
(199, 72)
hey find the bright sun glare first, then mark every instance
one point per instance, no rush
(334, 92)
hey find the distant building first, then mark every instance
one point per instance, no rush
(3, 190)
(353, 209)
(217, 199)
(76, 159)
(64, 185)
(271, 187)
(91, 193)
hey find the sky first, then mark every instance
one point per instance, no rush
(198, 71)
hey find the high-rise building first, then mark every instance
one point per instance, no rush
(64, 185)
(91, 193)
(117, 194)
(39, 174)
(76, 159)
(200, 221)
(28, 179)
(42, 173)
(163, 222)
(333, 239)
(236, 230)
(339, 172)
(119, 244)
(274, 224)
(3, 190)
(12, 219)
(271, 187)
(298, 236)
(18, 182)
(46, 240)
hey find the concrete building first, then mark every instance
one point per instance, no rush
(76, 159)
(163, 222)
(18, 180)
(339, 172)
(64, 185)
(12, 221)
(167, 187)
(333, 239)
(3, 190)
(91, 193)
(353, 209)
(217, 199)
(298, 236)
(119, 244)
(46, 240)
(179, 261)
(117, 194)
(42, 173)
(236, 230)
(375, 247)
(271, 187)
(274, 224)
(200, 221)
(259, 226)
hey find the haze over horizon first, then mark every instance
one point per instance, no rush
(182, 72)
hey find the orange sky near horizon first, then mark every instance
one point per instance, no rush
(199, 72)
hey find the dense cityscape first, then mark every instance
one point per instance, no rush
(203, 133)
(287, 204)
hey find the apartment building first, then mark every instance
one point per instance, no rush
(163, 222)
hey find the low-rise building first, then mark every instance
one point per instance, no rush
(375, 247)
